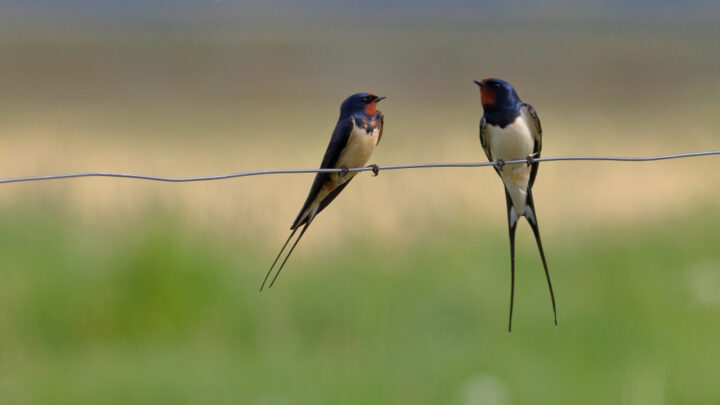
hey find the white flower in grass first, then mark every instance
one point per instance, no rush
(483, 389)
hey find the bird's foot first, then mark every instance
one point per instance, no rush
(530, 159)
(375, 169)
(344, 171)
(500, 164)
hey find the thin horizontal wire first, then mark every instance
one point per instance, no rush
(356, 169)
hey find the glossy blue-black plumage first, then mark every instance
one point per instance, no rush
(501, 107)
(506, 107)
(355, 104)
(351, 110)
(357, 110)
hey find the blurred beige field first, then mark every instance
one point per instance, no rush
(233, 98)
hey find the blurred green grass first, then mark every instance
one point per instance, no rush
(165, 312)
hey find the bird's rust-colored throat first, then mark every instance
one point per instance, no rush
(487, 96)
(371, 108)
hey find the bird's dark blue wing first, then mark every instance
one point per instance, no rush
(381, 122)
(486, 143)
(537, 134)
(339, 139)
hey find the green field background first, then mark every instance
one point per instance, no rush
(161, 313)
(129, 292)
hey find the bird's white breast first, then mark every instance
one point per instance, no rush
(513, 142)
(360, 146)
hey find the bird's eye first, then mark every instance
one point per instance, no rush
(366, 99)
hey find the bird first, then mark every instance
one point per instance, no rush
(510, 130)
(357, 133)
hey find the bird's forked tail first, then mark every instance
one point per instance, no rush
(531, 217)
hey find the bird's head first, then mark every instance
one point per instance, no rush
(497, 93)
(365, 103)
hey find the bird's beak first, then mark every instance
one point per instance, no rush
(480, 83)
(380, 98)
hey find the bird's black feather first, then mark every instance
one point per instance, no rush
(351, 115)
(338, 140)
(501, 113)
(512, 225)
(538, 141)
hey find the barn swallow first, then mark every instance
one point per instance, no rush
(510, 130)
(356, 134)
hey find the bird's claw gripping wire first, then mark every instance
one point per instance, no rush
(344, 171)
(499, 164)
(375, 169)
(531, 159)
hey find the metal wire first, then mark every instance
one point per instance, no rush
(357, 169)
